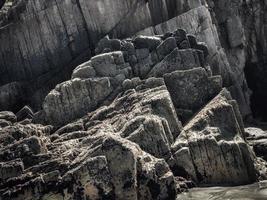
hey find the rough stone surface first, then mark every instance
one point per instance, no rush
(101, 156)
(192, 89)
(42, 41)
(176, 60)
(137, 110)
(211, 152)
(72, 99)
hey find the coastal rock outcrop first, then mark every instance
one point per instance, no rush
(212, 152)
(42, 41)
(114, 132)
(127, 99)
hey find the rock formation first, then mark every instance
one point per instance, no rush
(141, 103)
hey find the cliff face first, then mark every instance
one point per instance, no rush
(136, 99)
(35, 57)
(242, 30)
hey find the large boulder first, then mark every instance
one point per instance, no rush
(111, 65)
(192, 89)
(212, 149)
(74, 98)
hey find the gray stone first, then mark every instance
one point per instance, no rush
(235, 31)
(180, 35)
(84, 71)
(24, 113)
(11, 169)
(166, 47)
(192, 40)
(110, 65)
(4, 123)
(151, 43)
(142, 67)
(192, 89)
(176, 60)
(9, 116)
(218, 153)
(257, 138)
(255, 133)
(184, 44)
(102, 44)
(73, 99)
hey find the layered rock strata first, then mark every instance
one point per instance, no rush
(144, 121)
(144, 117)
(234, 33)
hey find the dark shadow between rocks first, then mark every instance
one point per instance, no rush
(256, 78)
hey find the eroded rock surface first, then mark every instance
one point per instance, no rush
(146, 121)
(211, 151)
(144, 117)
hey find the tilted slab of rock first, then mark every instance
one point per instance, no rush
(124, 150)
(90, 159)
(176, 60)
(204, 28)
(192, 89)
(74, 98)
(144, 114)
(142, 57)
(211, 149)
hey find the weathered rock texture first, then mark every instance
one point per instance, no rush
(207, 146)
(144, 117)
(35, 57)
(41, 41)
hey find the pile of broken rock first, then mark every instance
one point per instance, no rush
(143, 119)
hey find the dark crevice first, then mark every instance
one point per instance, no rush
(257, 82)
(91, 42)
